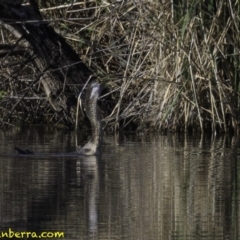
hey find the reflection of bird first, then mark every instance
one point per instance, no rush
(92, 112)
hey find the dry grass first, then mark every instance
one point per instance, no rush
(166, 67)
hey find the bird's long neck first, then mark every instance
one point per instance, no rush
(93, 115)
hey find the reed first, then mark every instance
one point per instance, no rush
(168, 65)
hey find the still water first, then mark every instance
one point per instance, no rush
(140, 188)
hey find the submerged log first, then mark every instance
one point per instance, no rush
(61, 72)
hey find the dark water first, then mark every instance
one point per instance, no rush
(142, 187)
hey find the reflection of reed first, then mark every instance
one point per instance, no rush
(165, 187)
(35, 194)
(172, 188)
(209, 188)
(25, 183)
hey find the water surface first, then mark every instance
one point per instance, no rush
(141, 187)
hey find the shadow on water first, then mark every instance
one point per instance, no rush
(142, 187)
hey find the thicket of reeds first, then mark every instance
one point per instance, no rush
(167, 65)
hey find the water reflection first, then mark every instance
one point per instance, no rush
(46, 193)
(142, 187)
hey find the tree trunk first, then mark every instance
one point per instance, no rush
(60, 70)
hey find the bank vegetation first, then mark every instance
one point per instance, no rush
(165, 65)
